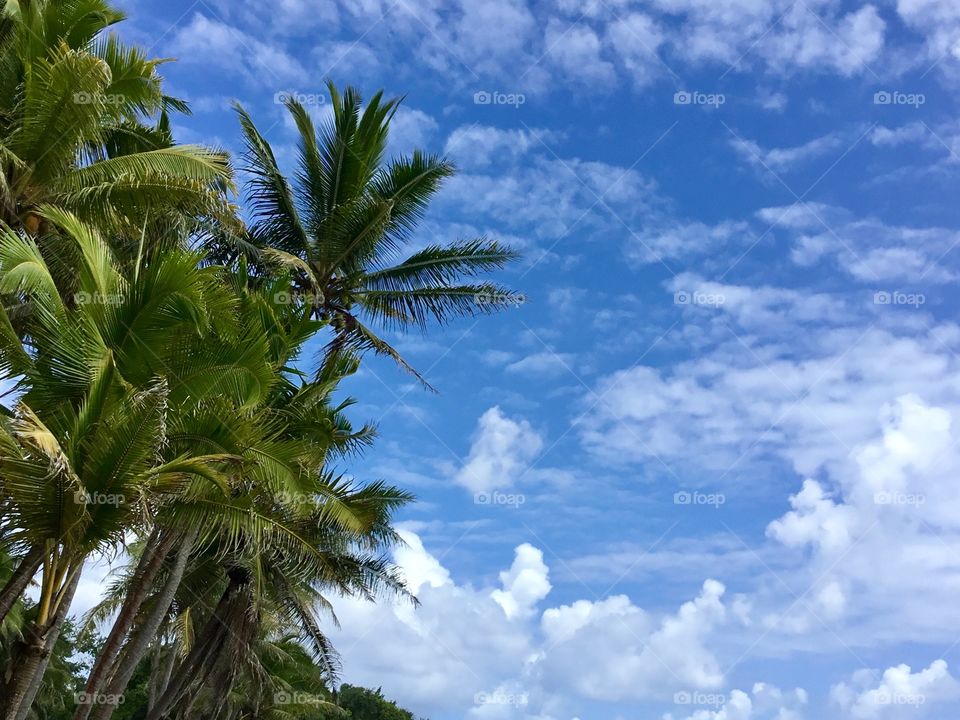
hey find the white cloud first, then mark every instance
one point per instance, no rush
(900, 693)
(420, 568)
(767, 702)
(575, 49)
(524, 584)
(550, 198)
(482, 145)
(636, 39)
(871, 251)
(215, 44)
(939, 21)
(464, 644)
(883, 136)
(501, 451)
(784, 36)
(786, 159)
(611, 649)
(411, 129)
(802, 215)
(772, 101)
(866, 249)
(783, 382)
(547, 364)
(679, 239)
(815, 519)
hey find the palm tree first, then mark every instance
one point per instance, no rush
(83, 124)
(340, 227)
(85, 455)
(287, 529)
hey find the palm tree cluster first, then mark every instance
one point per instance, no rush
(161, 408)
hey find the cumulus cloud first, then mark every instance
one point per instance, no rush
(464, 648)
(766, 702)
(815, 519)
(611, 649)
(788, 382)
(900, 693)
(524, 584)
(502, 449)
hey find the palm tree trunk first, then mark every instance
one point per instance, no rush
(29, 564)
(139, 643)
(186, 673)
(34, 658)
(151, 560)
(162, 671)
(203, 657)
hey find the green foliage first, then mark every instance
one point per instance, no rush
(364, 704)
(340, 227)
(163, 405)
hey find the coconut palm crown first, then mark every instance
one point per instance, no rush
(342, 224)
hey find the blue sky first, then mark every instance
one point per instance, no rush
(708, 469)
